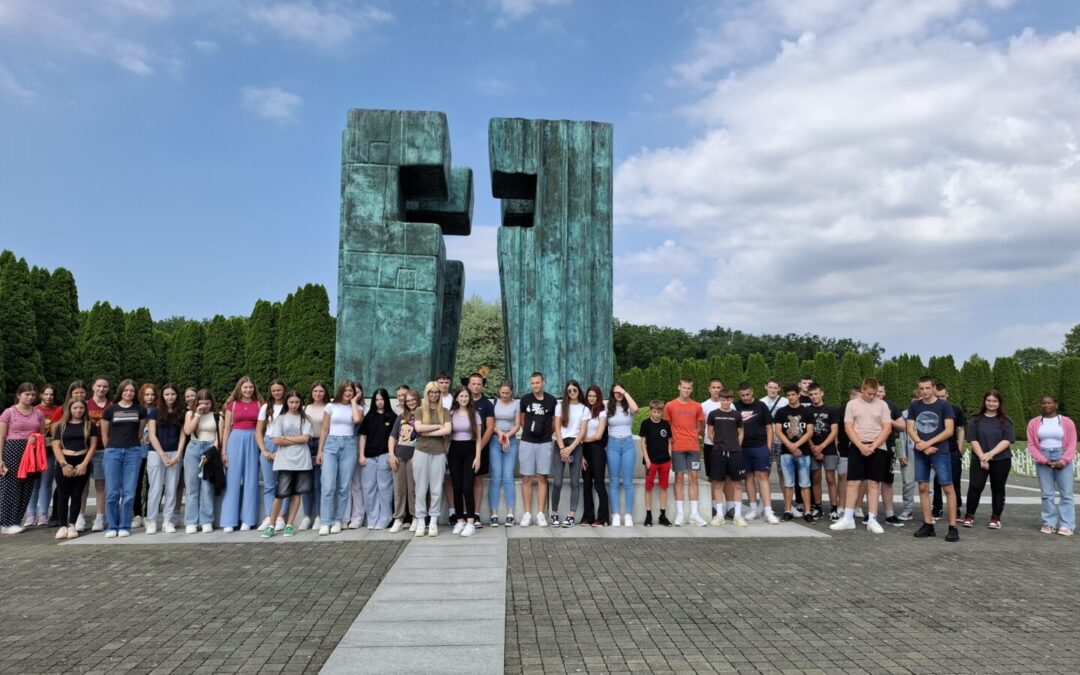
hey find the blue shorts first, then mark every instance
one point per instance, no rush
(939, 461)
(757, 459)
(790, 465)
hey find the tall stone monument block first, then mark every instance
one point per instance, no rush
(399, 298)
(555, 248)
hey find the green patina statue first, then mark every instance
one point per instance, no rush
(555, 248)
(399, 298)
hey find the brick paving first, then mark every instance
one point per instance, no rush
(996, 602)
(180, 609)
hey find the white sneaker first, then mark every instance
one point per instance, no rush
(753, 514)
(109, 534)
(420, 530)
(324, 530)
(843, 524)
(151, 528)
(207, 528)
(679, 520)
(317, 523)
(739, 521)
(123, 533)
(14, 529)
(191, 529)
(627, 521)
(796, 511)
(526, 519)
(168, 527)
(370, 525)
(335, 528)
(396, 527)
(305, 523)
(433, 529)
(244, 527)
(99, 523)
(616, 520)
(264, 524)
(137, 521)
(541, 521)
(354, 525)
(906, 515)
(874, 526)
(228, 530)
(80, 523)
(279, 525)
(858, 513)
(718, 520)
(459, 526)
(412, 526)
(771, 518)
(469, 530)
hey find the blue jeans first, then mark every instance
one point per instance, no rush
(621, 459)
(1063, 514)
(43, 488)
(121, 475)
(240, 504)
(378, 483)
(790, 465)
(940, 462)
(502, 473)
(311, 500)
(340, 454)
(198, 493)
(269, 481)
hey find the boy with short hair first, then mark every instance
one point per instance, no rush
(687, 427)
(707, 406)
(656, 440)
(536, 415)
(867, 423)
(931, 422)
(723, 430)
(822, 446)
(794, 425)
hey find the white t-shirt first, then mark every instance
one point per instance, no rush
(578, 412)
(707, 406)
(290, 457)
(594, 423)
(621, 424)
(341, 422)
(263, 410)
(447, 400)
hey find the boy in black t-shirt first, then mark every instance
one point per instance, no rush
(794, 425)
(822, 446)
(656, 441)
(723, 427)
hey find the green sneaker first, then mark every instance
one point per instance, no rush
(268, 532)
(289, 531)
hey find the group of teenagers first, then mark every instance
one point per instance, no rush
(386, 462)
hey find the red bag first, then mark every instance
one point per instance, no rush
(33, 459)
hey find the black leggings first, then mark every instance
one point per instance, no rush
(461, 456)
(69, 492)
(593, 477)
(998, 474)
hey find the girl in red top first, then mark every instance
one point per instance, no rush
(38, 513)
(240, 503)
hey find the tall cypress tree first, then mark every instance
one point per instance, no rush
(827, 374)
(786, 369)
(975, 379)
(732, 371)
(1070, 387)
(1007, 381)
(890, 376)
(260, 341)
(306, 338)
(140, 362)
(185, 356)
(101, 344)
(943, 370)
(867, 364)
(161, 355)
(18, 328)
(850, 373)
(757, 373)
(60, 348)
(223, 362)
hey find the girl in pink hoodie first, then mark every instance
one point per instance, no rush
(1051, 440)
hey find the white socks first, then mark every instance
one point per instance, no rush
(849, 514)
(679, 509)
(694, 509)
(721, 507)
(738, 509)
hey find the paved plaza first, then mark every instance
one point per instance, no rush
(788, 598)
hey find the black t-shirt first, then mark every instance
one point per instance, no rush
(377, 427)
(539, 414)
(961, 423)
(657, 439)
(485, 408)
(74, 438)
(895, 413)
(824, 417)
(725, 426)
(793, 424)
(756, 419)
(168, 435)
(124, 425)
(805, 401)
(843, 443)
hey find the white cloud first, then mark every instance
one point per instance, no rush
(875, 154)
(1049, 335)
(480, 251)
(272, 103)
(205, 46)
(492, 86)
(325, 26)
(515, 10)
(11, 86)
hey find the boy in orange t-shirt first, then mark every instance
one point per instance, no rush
(687, 421)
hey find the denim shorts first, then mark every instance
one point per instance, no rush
(97, 466)
(757, 459)
(790, 465)
(939, 461)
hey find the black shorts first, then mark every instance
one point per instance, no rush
(291, 483)
(725, 465)
(889, 475)
(875, 467)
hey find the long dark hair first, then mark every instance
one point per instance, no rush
(612, 403)
(469, 409)
(566, 400)
(270, 400)
(598, 407)
(1001, 415)
(387, 414)
(165, 416)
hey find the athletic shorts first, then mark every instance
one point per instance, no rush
(757, 459)
(97, 468)
(706, 456)
(939, 461)
(686, 460)
(875, 467)
(535, 458)
(291, 483)
(841, 466)
(661, 470)
(726, 465)
(829, 463)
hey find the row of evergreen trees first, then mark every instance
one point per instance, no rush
(1021, 390)
(44, 337)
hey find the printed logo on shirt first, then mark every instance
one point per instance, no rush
(927, 422)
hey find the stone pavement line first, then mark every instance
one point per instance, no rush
(415, 620)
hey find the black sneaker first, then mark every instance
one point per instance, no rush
(648, 520)
(927, 530)
(569, 522)
(866, 518)
(787, 516)
(730, 515)
(953, 535)
(937, 513)
(510, 522)
(894, 521)
(816, 512)
(834, 515)
(663, 520)
(808, 518)
(453, 519)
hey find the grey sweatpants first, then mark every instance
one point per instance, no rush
(428, 471)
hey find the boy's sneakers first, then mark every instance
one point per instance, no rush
(953, 535)
(859, 513)
(647, 523)
(678, 520)
(834, 514)
(696, 519)
(797, 510)
(894, 521)
(739, 521)
(874, 526)
(809, 518)
(541, 521)
(662, 520)
(268, 532)
(526, 519)
(616, 520)
(816, 512)
(843, 524)
(787, 516)
(969, 521)
(753, 514)
(718, 520)
(906, 515)
(927, 530)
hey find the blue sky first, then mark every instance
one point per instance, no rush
(901, 172)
